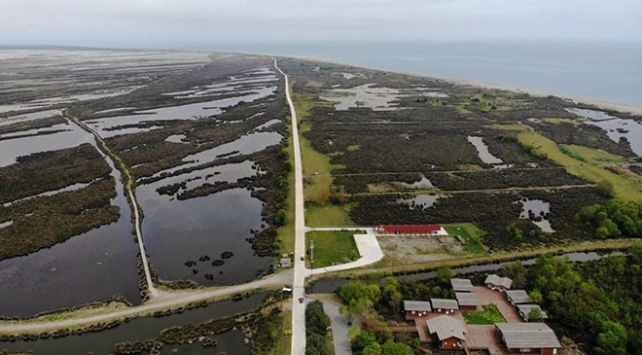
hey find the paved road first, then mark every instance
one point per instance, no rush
(300, 272)
(367, 244)
(340, 327)
(167, 300)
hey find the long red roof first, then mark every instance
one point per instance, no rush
(408, 229)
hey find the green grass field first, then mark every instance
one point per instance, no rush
(490, 315)
(328, 215)
(317, 173)
(594, 155)
(470, 233)
(626, 187)
(335, 247)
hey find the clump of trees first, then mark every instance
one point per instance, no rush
(613, 219)
(599, 302)
(316, 329)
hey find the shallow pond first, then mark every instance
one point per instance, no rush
(14, 148)
(247, 144)
(482, 150)
(616, 128)
(423, 183)
(368, 96)
(148, 328)
(420, 202)
(179, 231)
(29, 117)
(86, 268)
(536, 209)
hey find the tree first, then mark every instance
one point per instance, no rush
(362, 341)
(444, 274)
(613, 338)
(394, 348)
(372, 349)
(316, 321)
(517, 272)
(535, 314)
(536, 296)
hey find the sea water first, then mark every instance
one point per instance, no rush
(608, 71)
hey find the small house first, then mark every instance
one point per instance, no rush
(443, 305)
(449, 331)
(286, 262)
(528, 338)
(495, 282)
(461, 285)
(516, 297)
(416, 309)
(525, 311)
(468, 301)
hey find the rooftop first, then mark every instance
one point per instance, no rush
(461, 285)
(422, 306)
(447, 327)
(525, 309)
(467, 299)
(518, 296)
(495, 280)
(528, 335)
(444, 303)
(408, 229)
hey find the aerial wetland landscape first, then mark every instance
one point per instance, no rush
(148, 203)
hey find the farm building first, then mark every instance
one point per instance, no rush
(449, 332)
(418, 230)
(468, 301)
(415, 309)
(525, 311)
(461, 285)
(498, 283)
(528, 338)
(518, 297)
(443, 305)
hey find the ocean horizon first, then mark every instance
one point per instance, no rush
(605, 71)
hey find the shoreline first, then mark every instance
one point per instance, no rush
(601, 104)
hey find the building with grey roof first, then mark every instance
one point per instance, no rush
(450, 332)
(518, 297)
(468, 301)
(525, 310)
(461, 285)
(498, 283)
(443, 305)
(416, 309)
(528, 338)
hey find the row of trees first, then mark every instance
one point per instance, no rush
(316, 329)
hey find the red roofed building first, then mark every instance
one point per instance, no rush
(397, 229)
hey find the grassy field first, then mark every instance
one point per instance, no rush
(627, 188)
(563, 120)
(335, 247)
(328, 215)
(317, 173)
(593, 155)
(490, 315)
(470, 233)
